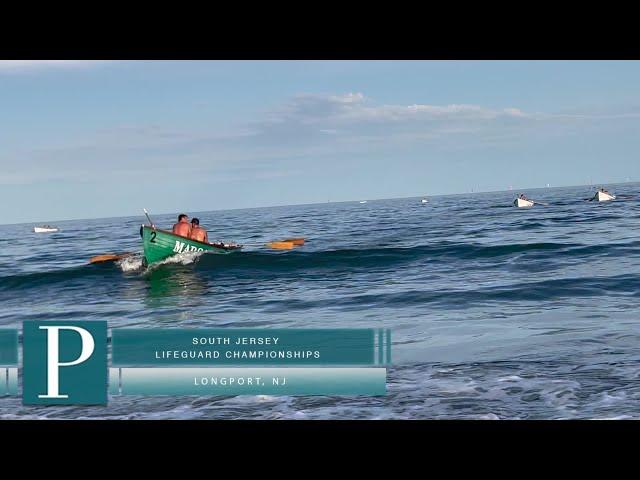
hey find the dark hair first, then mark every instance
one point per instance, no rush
(196, 221)
(181, 216)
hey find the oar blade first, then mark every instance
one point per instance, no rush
(296, 241)
(280, 245)
(108, 257)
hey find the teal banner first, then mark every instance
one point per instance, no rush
(247, 381)
(282, 347)
(8, 347)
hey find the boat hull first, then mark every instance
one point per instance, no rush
(520, 203)
(604, 197)
(44, 230)
(161, 244)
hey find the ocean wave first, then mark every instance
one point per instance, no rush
(459, 299)
(50, 277)
(378, 258)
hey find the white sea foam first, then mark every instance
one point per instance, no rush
(134, 263)
(184, 258)
(266, 398)
(609, 399)
(510, 378)
(489, 416)
(130, 264)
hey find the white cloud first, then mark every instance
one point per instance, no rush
(355, 108)
(17, 66)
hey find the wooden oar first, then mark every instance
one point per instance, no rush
(109, 257)
(287, 244)
(281, 245)
(540, 203)
(295, 241)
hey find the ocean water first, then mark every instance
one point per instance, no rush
(496, 312)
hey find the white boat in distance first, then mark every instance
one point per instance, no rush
(522, 203)
(45, 229)
(424, 200)
(363, 201)
(601, 196)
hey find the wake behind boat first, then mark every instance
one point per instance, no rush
(161, 244)
(45, 229)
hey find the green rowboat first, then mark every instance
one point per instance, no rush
(161, 244)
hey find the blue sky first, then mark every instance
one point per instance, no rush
(95, 139)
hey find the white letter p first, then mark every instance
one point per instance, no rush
(53, 358)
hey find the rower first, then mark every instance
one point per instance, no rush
(198, 233)
(182, 228)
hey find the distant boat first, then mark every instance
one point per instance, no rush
(601, 196)
(523, 203)
(363, 201)
(424, 200)
(45, 229)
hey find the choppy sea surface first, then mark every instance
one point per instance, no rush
(496, 312)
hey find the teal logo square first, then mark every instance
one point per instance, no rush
(64, 363)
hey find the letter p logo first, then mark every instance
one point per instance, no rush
(65, 363)
(53, 360)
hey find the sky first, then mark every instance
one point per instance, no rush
(90, 139)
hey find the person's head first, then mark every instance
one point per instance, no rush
(183, 217)
(195, 222)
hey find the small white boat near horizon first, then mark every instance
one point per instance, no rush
(523, 203)
(363, 201)
(601, 196)
(45, 229)
(424, 200)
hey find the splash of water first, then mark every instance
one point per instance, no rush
(130, 264)
(135, 262)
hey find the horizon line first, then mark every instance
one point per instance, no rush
(329, 201)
